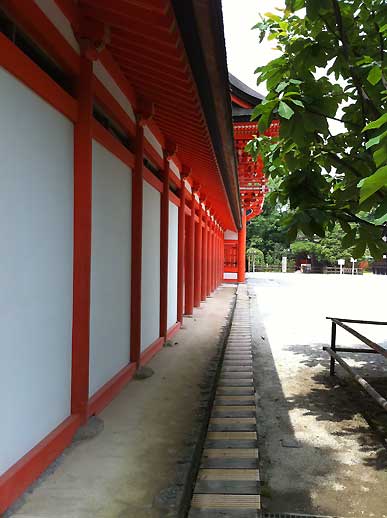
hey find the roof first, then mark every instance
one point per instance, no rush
(170, 58)
(244, 92)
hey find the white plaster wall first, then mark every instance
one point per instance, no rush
(231, 235)
(150, 324)
(110, 84)
(174, 168)
(56, 16)
(230, 275)
(172, 263)
(153, 140)
(36, 228)
(110, 267)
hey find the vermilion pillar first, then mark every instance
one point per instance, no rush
(209, 256)
(222, 256)
(204, 257)
(181, 246)
(242, 249)
(213, 262)
(198, 257)
(217, 257)
(190, 260)
(136, 273)
(83, 163)
(143, 114)
(169, 151)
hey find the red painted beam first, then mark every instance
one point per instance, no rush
(198, 257)
(204, 257)
(190, 260)
(169, 150)
(242, 249)
(83, 164)
(209, 257)
(145, 112)
(17, 479)
(181, 246)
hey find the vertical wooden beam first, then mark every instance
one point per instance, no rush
(83, 164)
(204, 256)
(218, 261)
(212, 255)
(181, 246)
(198, 257)
(169, 151)
(209, 256)
(242, 249)
(215, 257)
(222, 256)
(144, 113)
(190, 259)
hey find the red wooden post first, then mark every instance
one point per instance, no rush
(198, 256)
(212, 255)
(83, 164)
(209, 257)
(242, 249)
(169, 151)
(190, 273)
(204, 256)
(181, 246)
(222, 256)
(217, 256)
(145, 111)
(215, 259)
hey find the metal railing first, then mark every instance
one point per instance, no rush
(373, 348)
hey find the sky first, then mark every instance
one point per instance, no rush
(244, 53)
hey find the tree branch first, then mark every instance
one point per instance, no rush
(364, 99)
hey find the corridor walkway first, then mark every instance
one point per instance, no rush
(120, 472)
(322, 441)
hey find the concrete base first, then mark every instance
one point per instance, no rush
(121, 472)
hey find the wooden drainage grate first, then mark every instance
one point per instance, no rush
(228, 483)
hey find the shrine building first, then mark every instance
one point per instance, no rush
(125, 195)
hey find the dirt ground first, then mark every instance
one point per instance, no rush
(120, 472)
(322, 440)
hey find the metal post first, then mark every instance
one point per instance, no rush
(333, 347)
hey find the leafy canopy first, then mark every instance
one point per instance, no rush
(332, 71)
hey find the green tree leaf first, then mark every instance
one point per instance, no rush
(371, 184)
(375, 75)
(285, 111)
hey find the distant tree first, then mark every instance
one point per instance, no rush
(333, 68)
(265, 233)
(327, 249)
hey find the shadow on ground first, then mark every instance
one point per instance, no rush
(322, 440)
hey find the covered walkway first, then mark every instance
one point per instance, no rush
(122, 470)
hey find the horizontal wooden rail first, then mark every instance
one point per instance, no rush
(378, 348)
(351, 321)
(362, 382)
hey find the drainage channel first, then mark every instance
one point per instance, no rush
(228, 479)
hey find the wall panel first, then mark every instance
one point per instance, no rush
(36, 273)
(110, 267)
(172, 263)
(150, 267)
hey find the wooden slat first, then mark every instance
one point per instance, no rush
(236, 453)
(228, 474)
(226, 501)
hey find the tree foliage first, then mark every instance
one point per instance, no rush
(265, 233)
(255, 255)
(327, 249)
(332, 70)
